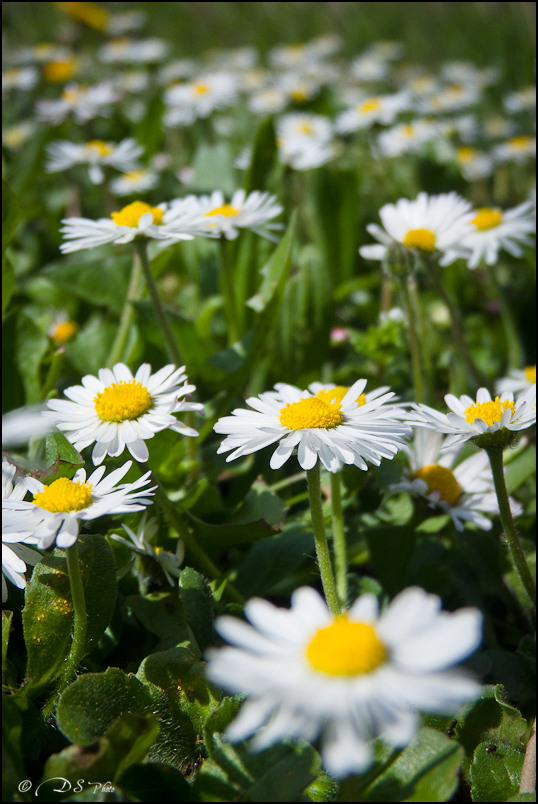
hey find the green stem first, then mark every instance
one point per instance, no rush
(416, 363)
(422, 337)
(313, 479)
(339, 538)
(170, 342)
(228, 292)
(202, 560)
(495, 455)
(53, 373)
(78, 644)
(134, 293)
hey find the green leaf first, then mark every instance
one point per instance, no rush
(48, 615)
(522, 467)
(61, 457)
(13, 771)
(275, 271)
(161, 615)
(31, 346)
(213, 168)
(8, 282)
(154, 781)
(263, 155)
(427, 770)
(11, 215)
(336, 203)
(102, 282)
(269, 566)
(197, 602)
(6, 626)
(260, 503)
(495, 771)
(391, 550)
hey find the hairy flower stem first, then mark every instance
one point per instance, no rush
(495, 455)
(228, 292)
(169, 339)
(339, 539)
(134, 293)
(80, 624)
(313, 481)
(414, 343)
(423, 338)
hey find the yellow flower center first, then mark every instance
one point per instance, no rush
(334, 396)
(74, 94)
(530, 373)
(408, 130)
(64, 495)
(439, 478)
(466, 154)
(227, 210)
(43, 50)
(310, 412)
(520, 143)
(487, 218)
(92, 15)
(102, 148)
(200, 89)
(420, 238)
(122, 401)
(134, 175)
(489, 412)
(345, 648)
(64, 331)
(61, 70)
(305, 128)
(369, 106)
(131, 214)
(298, 94)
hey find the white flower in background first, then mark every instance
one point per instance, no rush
(17, 533)
(136, 82)
(57, 509)
(218, 217)
(83, 102)
(15, 136)
(466, 73)
(268, 100)
(470, 418)
(521, 101)
(127, 51)
(429, 223)
(450, 99)
(239, 58)
(462, 489)
(43, 52)
(176, 70)
(348, 678)
(199, 98)
(517, 149)
(406, 138)
(301, 56)
(305, 140)
(117, 410)
(474, 164)
(19, 78)
(493, 230)
(21, 425)
(135, 220)
(62, 328)
(338, 426)
(519, 381)
(370, 110)
(142, 543)
(135, 181)
(124, 22)
(498, 127)
(370, 66)
(96, 154)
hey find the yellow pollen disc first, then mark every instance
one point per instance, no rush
(131, 214)
(158, 550)
(369, 106)
(72, 95)
(420, 238)
(122, 401)
(489, 412)
(64, 331)
(520, 143)
(298, 95)
(530, 373)
(227, 210)
(487, 218)
(345, 648)
(439, 478)
(334, 396)
(465, 154)
(200, 89)
(59, 70)
(134, 175)
(310, 412)
(64, 495)
(305, 128)
(408, 130)
(102, 148)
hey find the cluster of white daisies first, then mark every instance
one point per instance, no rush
(306, 672)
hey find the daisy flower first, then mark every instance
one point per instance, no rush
(19, 78)
(58, 508)
(518, 381)
(406, 138)
(141, 542)
(374, 109)
(521, 101)
(462, 489)
(469, 418)
(117, 410)
(62, 328)
(218, 217)
(494, 229)
(429, 223)
(517, 149)
(137, 219)
(305, 140)
(96, 154)
(338, 426)
(135, 181)
(474, 164)
(16, 533)
(347, 678)
(83, 102)
(125, 51)
(187, 102)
